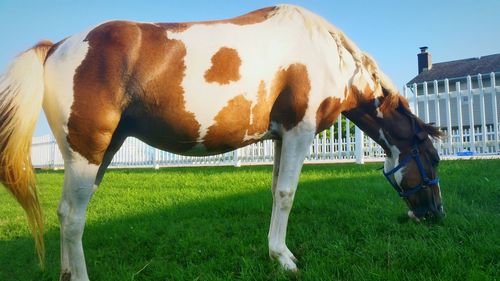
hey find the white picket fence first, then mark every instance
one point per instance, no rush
(135, 153)
(467, 111)
(442, 106)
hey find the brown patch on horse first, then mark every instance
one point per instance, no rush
(350, 99)
(327, 113)
(293, 88)
(391, 102)
(230, 127)
(100, 86)
(354, 97)
(157, 114)
(132, 72)
(225, 67)
(367, 124)
(261, 110)
(254, 17)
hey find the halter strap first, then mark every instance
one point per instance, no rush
(426, 181)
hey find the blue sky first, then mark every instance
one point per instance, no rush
(391, 31)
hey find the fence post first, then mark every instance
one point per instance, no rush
(332, 142)
(459, 116)
(482, 109)
(348, 138)
(448, 113)
(426, 103)
(315, 147)
(415, 99)
(323, 145)
(470, 98)
(495, 112)
(360, 154)
(437, 112)
(236, 160)
(339, 135)
(53, 148)
(156, 157)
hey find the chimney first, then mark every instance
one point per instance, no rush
(424, 60)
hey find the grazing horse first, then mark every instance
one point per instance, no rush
(202, 88)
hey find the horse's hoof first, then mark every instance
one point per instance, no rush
(65, 276)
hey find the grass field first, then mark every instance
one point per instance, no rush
(211, 224)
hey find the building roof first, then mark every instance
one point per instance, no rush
(459, 68)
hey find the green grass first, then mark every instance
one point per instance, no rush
(211, 224)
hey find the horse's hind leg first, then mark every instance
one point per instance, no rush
(294, 148)
(80, 182)
(79, 185)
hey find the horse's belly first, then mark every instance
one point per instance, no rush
(184, 138)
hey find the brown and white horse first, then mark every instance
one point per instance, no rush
(201, 88)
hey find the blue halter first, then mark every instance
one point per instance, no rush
(414, 155)
(426, 181)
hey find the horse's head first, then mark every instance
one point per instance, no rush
(411, 165)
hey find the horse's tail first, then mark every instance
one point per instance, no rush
(21, 96)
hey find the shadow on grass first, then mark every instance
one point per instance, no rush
(216, 238)
(339, 228)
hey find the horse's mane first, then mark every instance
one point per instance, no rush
(317, 24)
(396, 102)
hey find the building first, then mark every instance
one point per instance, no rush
(461, 97)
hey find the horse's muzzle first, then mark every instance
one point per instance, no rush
(431, 212)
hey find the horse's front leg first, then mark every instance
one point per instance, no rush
(79, 179)
(291, 154)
